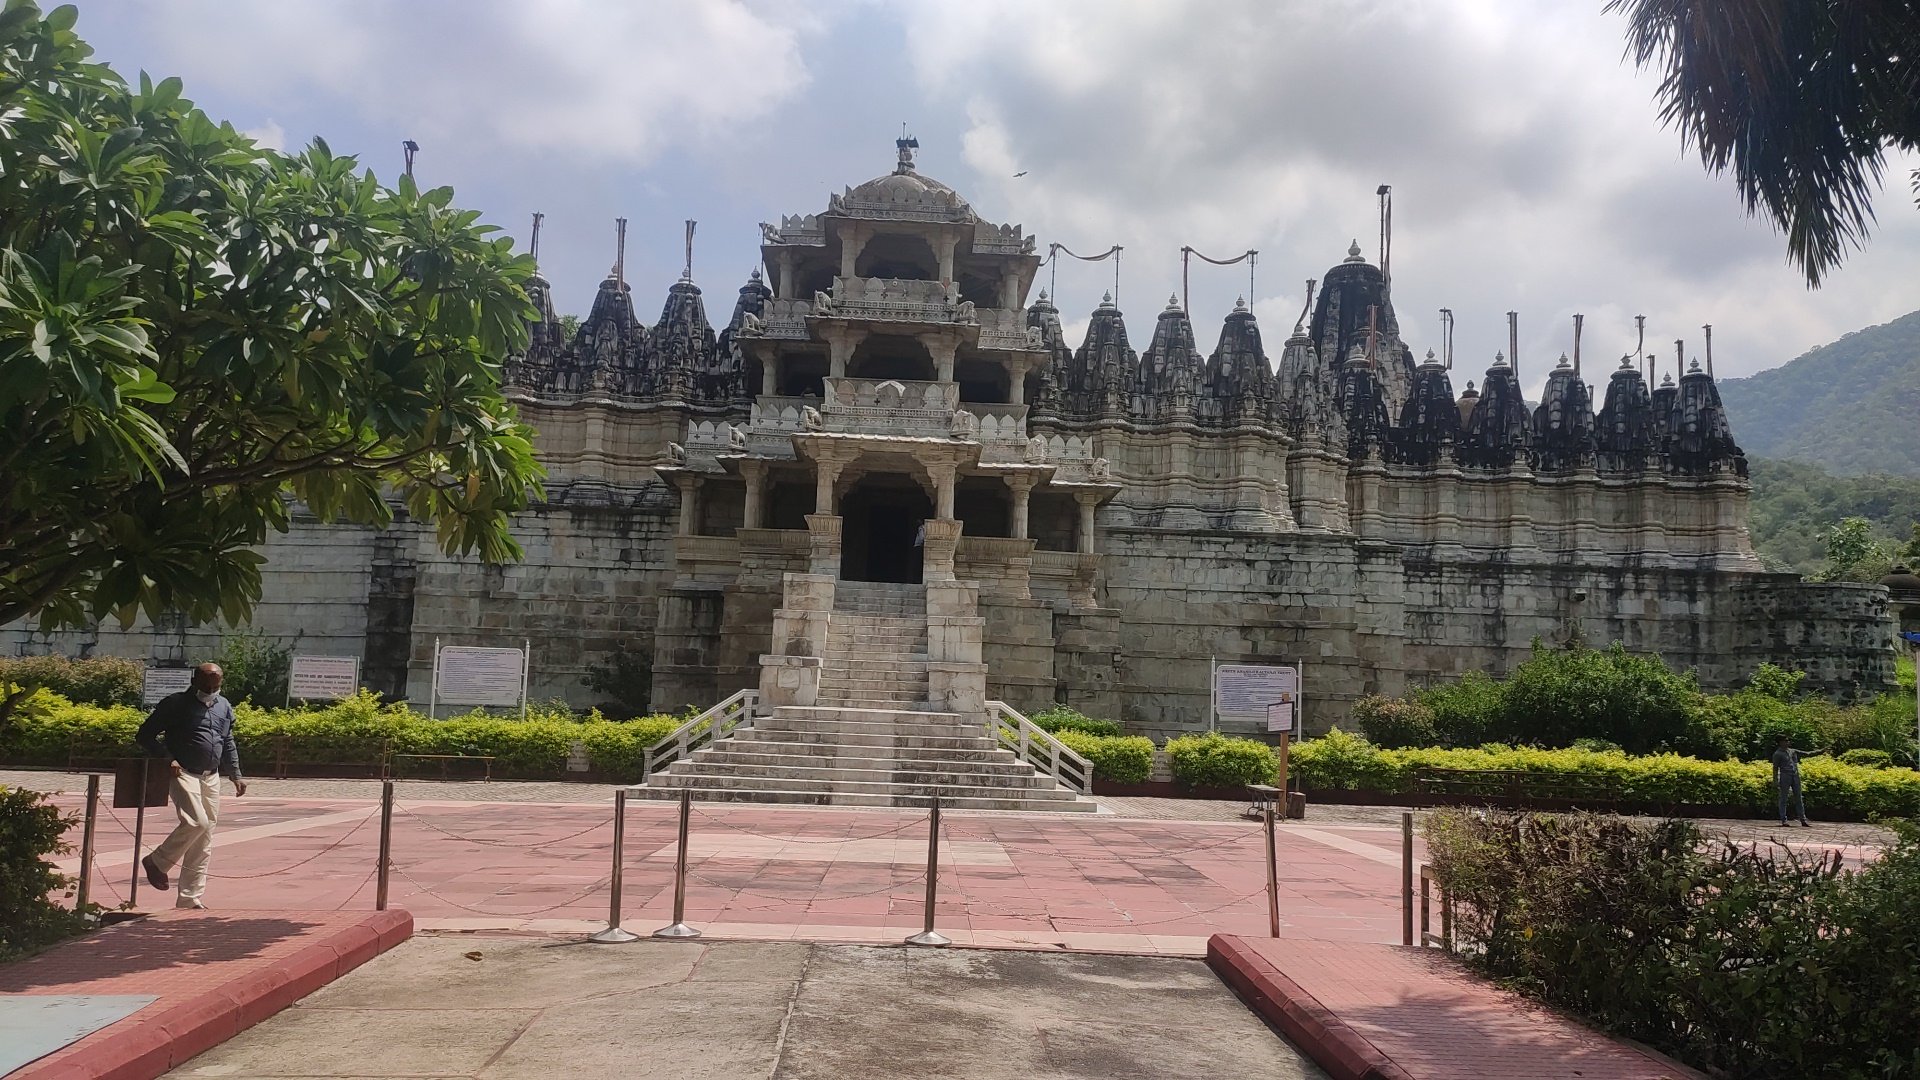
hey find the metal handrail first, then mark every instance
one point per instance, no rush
(716, 723)
(1038, 747)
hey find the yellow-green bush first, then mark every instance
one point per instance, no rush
(356, 730)
(1123, 759)
(1218, 761)
(1348, 762)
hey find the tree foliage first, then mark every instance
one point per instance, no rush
(1800, 99)
(1795, 505)
(195, 331)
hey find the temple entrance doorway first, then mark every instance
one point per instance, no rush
(880, 525)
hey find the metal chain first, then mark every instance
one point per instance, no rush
(591, 889)
(910, 823)
(371, 814)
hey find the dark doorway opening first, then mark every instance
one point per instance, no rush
(881, 522)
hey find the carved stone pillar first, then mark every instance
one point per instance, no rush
(753, 512)
(689, 503)
(942, 537)
(851, 242)
(786, 275)
(1088, 500)
(942, 491)
(841, 341)
(1021, 484)
(945, 252)
(1017, 382)
(769, 374)
(826, 470)
(942, 347)
(823, 544)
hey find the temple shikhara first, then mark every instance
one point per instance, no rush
(888, 480)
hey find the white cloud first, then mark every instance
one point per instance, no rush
(618, 82)
(1529, 167)
(270, 135)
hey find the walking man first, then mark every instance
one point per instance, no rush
(1786, 779)
(193, 729)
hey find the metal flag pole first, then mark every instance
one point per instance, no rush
(680, 929)
(615, 934)
(386, 844)
(86, 842)
(928, 935)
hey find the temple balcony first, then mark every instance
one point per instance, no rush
(894, 300)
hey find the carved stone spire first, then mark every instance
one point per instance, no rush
(1500, 429)
(1625, 433)
(1238, 384)
(1353, 305)
(684, 360)
(1102, 370)
(1699, 442)
(1563, 424)
(611, 344)
(1430, 420)
(1045, 318)
(1168, 378)
(1364, 406)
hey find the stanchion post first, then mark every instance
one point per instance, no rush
(1273, 875)
(86, 843)
(1406, 877)
(386, 844)
(139, 826)
(614, 934)
(680, 929)
(928, 935)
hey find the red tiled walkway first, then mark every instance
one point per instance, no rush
(215, 974)
(1387, 1012)
(1067, 881)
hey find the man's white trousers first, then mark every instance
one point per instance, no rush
(196, 802)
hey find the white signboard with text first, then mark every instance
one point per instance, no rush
(158, 682)
(323, 678)
(1244, 693)
(467, 675)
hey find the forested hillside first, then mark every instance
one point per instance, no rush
(1794, 502)
(1852, 406)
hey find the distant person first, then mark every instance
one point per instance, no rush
(1786, 779)
(194, 730)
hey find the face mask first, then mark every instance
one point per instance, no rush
(206, 696)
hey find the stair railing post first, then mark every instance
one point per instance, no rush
(386, 845)
(1273, 877)
(615, 934)
(928, 935)
(680, 929)
(1406, 877)
(86, 843)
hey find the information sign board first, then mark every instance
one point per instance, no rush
(323, 678)
(467, 675)
(1280, 717)
(158, 682)
(1243, 692)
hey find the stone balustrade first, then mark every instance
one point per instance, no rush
(890, 407)
(895, 300)
(1001, 329)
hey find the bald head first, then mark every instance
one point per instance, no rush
(207, 678)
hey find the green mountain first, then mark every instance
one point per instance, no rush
(1794, 502)
(1852, 406)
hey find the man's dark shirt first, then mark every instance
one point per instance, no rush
(1786, 765)
(199, 737)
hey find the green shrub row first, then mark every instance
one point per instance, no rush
(355, 730)
(1565, 697)
(1219, 761)
(1123, 759)
(30, 914)
(1746, 962)
(1066, 718)
(1348, 762)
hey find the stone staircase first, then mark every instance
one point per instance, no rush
(841, 756)
(876, 654)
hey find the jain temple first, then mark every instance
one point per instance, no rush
(886, 479)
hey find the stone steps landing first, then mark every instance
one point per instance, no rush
(839, 756)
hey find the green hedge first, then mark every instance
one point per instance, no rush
(30, 830)
(1066, 718)
(1743, 961)
(352, 731)
(1123, 759)
(1348, 762)
(1218, 761)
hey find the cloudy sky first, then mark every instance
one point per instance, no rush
(1529, 169)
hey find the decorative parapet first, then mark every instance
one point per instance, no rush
(796, 230)
(896, 300)
(1008, 330)
(782, 320)
(990, 239)
(890, 407)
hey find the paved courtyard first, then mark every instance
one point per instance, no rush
(456, 1006)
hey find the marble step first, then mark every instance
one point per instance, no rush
(910, 799)
(829, 755)
(895, 726)
(840, 738)
(857, 778)
(734, 781)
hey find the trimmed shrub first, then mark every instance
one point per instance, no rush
(1393, 722)
(30, 830)
(96, 680)
(1342, 761)
(356, 730)
(1066, 718)
(1468, 712)
(1743, 961)
(1123, 759)
(1867, 759)
(1218, 761)
(1558, 696)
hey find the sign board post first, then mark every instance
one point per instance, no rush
(158, 682)
(323, 678)
(468, 675)
(1248, 693)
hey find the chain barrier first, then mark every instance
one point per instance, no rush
(371, 814)
(590, 890)
(532, 847)
(902, 827)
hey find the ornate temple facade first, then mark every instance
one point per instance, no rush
(891, 420)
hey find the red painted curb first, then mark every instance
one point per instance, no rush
(1343, 1052)
(143, 1047)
